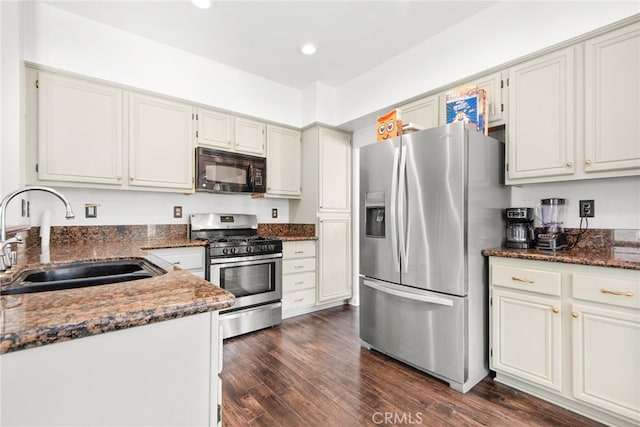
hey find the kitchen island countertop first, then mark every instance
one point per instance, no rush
(32, 320)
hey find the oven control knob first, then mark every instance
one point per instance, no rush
(233, 250)
(271, 247)
(249, 249)
(225, 251)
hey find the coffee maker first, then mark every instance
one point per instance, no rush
(551, 214)
(520, 233)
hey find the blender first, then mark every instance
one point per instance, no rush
(551, 215)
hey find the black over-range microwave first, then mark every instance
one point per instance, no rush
(224, 172)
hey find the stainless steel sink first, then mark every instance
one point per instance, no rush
(80, 275)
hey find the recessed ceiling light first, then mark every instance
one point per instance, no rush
(202, 4)
(308, 49)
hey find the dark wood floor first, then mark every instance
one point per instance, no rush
(311, 371)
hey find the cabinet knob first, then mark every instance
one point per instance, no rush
(569, 164)
(119, 178)
(556, 310)
(574, 315)
(587, 162)
(131, 179)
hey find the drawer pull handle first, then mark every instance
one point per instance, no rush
(574, 315)
(607, 291)
(298, 252)
(298, 283)
(298, 300)
(556, 310)
(520, 279)
(176, 263)
(298, 266)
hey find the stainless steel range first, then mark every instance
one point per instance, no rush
(245, 264)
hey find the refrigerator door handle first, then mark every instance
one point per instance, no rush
(393, 213)
(404, 263)
(408, 295)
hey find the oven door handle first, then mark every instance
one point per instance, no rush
(216, 261)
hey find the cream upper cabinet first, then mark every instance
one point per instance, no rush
(612, 102)
(215, 129)
(423, 112)
(80, 131)
(493, 85)
(284, 162)
(542, 117)
(334, 259)
(334, 171)
(249, 137)
(160, 143)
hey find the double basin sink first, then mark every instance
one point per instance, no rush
(80, 275)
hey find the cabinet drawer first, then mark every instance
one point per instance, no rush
(298, 299)
(186, 258)
(532, 280)
(296, 282)
(303, 249)
(624, 292)
(298, 265)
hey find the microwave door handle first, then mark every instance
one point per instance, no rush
(250, 176)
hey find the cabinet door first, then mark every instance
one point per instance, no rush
(612, 104)
(334, 171)
(160, 143)
(526, 337)
(80, 131)
(334, 259)
(215, 129)
(284, 162)
(542, 117)
(423, 113)
(606, 359)
(249, 137)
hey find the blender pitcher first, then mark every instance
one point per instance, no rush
(551, 213)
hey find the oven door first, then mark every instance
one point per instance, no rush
(252, 280)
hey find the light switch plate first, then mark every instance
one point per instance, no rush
(177, 211)
(90, 211)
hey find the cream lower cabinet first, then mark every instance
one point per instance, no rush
(569, 334)
(298, 277)
(164, 373)
(187, 258)
(334, 253)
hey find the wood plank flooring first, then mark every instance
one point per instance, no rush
(312, 371)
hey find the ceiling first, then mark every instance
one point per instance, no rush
(264, 37)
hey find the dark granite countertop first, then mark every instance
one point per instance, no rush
(296, 238)
(36, 319)
(618, 257)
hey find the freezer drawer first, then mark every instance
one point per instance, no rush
(424, 329)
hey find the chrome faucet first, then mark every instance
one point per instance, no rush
(6, 257)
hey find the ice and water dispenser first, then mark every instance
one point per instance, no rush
(375, 214)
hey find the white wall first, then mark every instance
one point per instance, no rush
(60, 39)
(11, 105)
(496, 35)
(144, 207)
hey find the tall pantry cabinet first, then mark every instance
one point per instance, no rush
(326, 202)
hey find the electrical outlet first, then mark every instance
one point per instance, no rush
(177, 211)
(90, 211)
(587, 208)
(274, 213)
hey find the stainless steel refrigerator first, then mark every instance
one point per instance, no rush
(430, 201)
